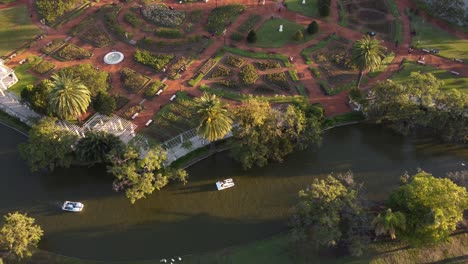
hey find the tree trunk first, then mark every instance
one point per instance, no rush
(359, 79)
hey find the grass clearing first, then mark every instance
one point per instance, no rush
(429, 36)
(310, 8)
(25, 78)
(268, 36)
(451, 81)
(385, 63)
(16, 28)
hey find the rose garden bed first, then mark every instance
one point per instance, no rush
(72, 52)
(44, 67)
(133, 81)
(156, 61)
(161, 15)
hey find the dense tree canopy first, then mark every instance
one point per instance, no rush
(330, 213)
(104, 103)
(48, 146)
(215, 119)
(266, 134)
(141, 176)
(95, 80)
(37, 96)
(19, 235)
(50, 10)
(421, 102)
(95, 147)
(432, 207)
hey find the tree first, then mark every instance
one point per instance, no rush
(97, 81)
(324, 7)
(140, 177)
(265, 134)
(451, 10)
(19, 234)
(48, 146)
(330, 213)
(313, 27)
(104, 103)
(95, 147)
(252, 36)
(68, 97)
(432, 207)
(298, 35)
(388, 223)
(215, 120)
(367, 55)
(37, 95)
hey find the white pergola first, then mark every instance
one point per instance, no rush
(7, 78)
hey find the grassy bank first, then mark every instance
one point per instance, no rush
(13, 122)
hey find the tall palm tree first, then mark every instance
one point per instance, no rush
(68, 97)
(215, 119)
(389, 223)
(367, 55)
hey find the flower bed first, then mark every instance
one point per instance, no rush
(54, 46)
(234, 61)
(156, 61)
(96, 36)
(132, 110)
(168, 33)
(264, 89)
(120, 101)
(222, 16)
(132, 80)
(279, 79)
(267, 65)
(231, 84)
(207, 66)
(132, 19)
(72, 52)
(44, 67)
(221, 71)
(250, 23)
(161, 15)
(154, 88)
(248, 75)
(174, 69)
(110, 21)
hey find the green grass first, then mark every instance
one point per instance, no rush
(16, 28)
(308, 9)
(343, 119)
(13, 122)
(385, 63)
(268, 35)
(430, 36)
(257, 55)
(301, 90)
(305, 52)
(342, 12)
(6, 1)
(451, 81)
(293, 75)
(24, 77)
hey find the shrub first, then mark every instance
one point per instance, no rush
(298, 35)
(236, 36)
(252, 36)
(196, 16)
(132, 19)
(133, 80)
(313, 28)
(264, 89)
(278, 79)
(250, 23)
(161, 15)
(222, 16)
(156, 61)
(96, 36)
(110, 21)
(221, 71)
(37, 95)
(342, 59)
(248, 75)
(267, 65)
(168, 33)
(50, 10)
(231, 84)
(324, 7)
(72, 52)
(95, 80)
(104, 103)
(56, 44)
(44, 67)
(154, 88)
(174, 69)
(315, 72)
(120, 101)
(132, 110)
(234, 61)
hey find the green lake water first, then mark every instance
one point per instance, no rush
(181, 220)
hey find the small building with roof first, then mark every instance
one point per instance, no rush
(7, 78)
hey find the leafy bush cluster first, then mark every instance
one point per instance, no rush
(174, 69)
(44, 67)
(95, 80)
(250, 23)
(313, 27)
(37, 95)
(278, 79)
(207, 66)
(162, 16)
(50, 10)
(133, 80)
(96, 36)
(236, 36)
(222, 16)
(221, 71)
(56, 44)
(154, 88)
(298, 35)
(264, 89)
(156, 61)
(343, 59)
(168, 33)
(267, 65)
(234, 61)
(104, 103)
(120, 101)
(72, 52)
(132, 19)
(228, 84)
(248, 74)
(110, 21)
(132, 110)
(324, 7)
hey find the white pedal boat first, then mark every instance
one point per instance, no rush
(221, 185)
(72, 206)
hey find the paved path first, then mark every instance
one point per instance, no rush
(11, 105)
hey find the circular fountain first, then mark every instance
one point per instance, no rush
(113, 57)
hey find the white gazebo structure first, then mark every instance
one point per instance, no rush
(7, 77)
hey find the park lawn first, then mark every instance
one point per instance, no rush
(451, 81)
(430, 36)
(310, 8)
(25, 78)
(6, 1)
(268, 36)
(16, 28)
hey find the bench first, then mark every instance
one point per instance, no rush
(421, 62)
(173, 97)
(135, 115)
(148, 122)
(12, 56)
(22, 61)
(455, 73)
(426, 50)
(159, 92)
(458, 60)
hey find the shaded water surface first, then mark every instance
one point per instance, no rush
(188, 219)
